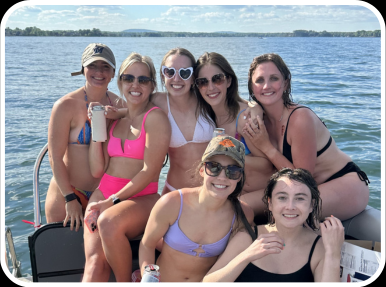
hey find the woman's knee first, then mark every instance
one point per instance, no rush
(97, 263)
(107, 226)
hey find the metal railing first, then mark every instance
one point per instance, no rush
(36, 196)
(16, 272)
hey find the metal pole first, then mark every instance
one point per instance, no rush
(36, 196)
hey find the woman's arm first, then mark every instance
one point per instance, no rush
(164, 212)
(231, 262)
(240, 252)
(328, 269)
(256, 133)
(302, 136)
(58, 137)
(98, 156)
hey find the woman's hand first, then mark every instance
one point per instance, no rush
(101, 205)
(110, 111)
(265, 244)
(73, 213)
(256, 132)
(253, 110)
(332, 232)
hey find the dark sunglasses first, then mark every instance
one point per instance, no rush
(217, 79)
(185, 73)
(233, 172)
(142, 80)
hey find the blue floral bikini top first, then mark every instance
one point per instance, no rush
(84, 136)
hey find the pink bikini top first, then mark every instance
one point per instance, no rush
(131, 148)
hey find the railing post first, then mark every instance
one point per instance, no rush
(37, 215)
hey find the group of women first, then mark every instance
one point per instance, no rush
(265, 167)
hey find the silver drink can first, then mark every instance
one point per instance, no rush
(98, 124)
(151, 273)
(218, 131)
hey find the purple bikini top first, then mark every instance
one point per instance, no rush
(177, 240)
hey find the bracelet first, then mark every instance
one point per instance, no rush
(70, 197)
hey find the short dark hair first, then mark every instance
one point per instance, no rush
(302, 176)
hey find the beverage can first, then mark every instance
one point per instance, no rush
(151, 273)
(98, 124)
(136, 276)
(218, 131)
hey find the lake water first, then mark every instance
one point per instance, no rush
(339, 78)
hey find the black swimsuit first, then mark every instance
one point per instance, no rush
(252, 273)
(287, 148)
(350, 166)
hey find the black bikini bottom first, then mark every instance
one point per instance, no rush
(350, 167)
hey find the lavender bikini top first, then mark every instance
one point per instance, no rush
(177, 240)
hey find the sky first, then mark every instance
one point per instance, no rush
(356, 16)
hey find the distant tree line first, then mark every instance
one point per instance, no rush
(34, 31)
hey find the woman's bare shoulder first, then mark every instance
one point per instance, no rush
(156, 118)
(159, 99)
(70, 100)
(169, 203)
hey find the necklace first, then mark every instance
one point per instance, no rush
(282, 115)
(86, 98)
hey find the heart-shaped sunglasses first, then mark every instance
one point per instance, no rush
(184, 73)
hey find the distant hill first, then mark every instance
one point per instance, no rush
(139, 31)
(226, 32)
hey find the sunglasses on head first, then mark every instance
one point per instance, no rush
(184, 73)
(233, 172)
(217, 79)
(142, 80)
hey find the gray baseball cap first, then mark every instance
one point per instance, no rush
(226, 145)
(95, 52)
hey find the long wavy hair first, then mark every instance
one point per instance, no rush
(284, 71)
(302, 176)
(232, 97)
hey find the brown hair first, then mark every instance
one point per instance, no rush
(303, 176)
(284, 71)
(176, 51)
(232, 97)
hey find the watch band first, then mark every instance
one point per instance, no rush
(70, 197)
(115, 199)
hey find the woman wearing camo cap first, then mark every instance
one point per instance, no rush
(196, 223)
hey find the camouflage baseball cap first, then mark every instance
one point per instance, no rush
(226, 145)
(94, 52)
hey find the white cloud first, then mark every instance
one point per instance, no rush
(178, 11)
(26, 9)
(213, 16)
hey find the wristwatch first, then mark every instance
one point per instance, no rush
(115, 199)
(70, 197)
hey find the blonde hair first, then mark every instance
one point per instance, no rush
(137, 58)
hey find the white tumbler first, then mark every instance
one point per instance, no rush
(98, 124)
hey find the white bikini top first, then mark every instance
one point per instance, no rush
(203, 131)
